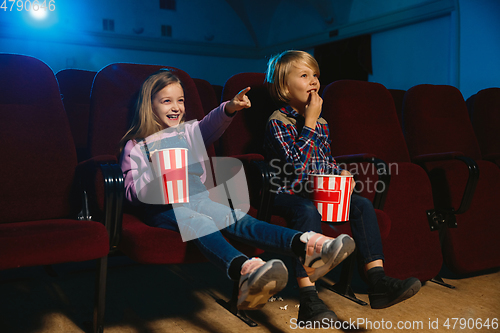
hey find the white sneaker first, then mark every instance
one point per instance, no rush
(259, 281)
(324, 253)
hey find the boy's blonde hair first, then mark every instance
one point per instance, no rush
(146, 122)
(278, 68)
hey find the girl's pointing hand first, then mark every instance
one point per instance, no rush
(239, 102)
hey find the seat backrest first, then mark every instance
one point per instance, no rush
(485, 116)
(207, 94)
(470, 105)
(218, 91)
(75, 86)
(38, 153)
(398, 96)
(112, 103)
(246, 133)
(436, 120)
(363, 119)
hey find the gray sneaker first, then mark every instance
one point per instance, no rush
(259, 281)
(324, 253)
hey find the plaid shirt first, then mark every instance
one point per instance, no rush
(295, 150)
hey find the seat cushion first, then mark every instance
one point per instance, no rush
(51, 242)
(150, 245)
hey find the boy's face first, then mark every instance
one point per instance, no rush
(300, 81)
(168, 105)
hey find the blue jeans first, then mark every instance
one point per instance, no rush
(214, 221)
(301, 214)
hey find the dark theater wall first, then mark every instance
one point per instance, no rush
(452, 42)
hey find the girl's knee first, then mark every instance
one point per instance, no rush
(196, 225)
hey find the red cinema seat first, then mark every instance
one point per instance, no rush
(246, 136)
(41, 193)
(113, 97)
(207, 94)
(441, 138)
(364, 129)
(209, 102)
(75, 86)
(218, 91)
(484, 111)
(398, 96)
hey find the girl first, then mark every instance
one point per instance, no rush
(297, 136)
(159, 123)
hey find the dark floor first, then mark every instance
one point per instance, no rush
(149, 298)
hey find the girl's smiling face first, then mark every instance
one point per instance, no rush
(300, 81)
(168, 105)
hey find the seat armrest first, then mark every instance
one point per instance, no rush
(472, 179)
(382, 171)
(268, 190)
(354, 158)
(101, 183)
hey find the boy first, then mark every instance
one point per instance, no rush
(298, 138)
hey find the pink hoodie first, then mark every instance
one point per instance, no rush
(198, 134)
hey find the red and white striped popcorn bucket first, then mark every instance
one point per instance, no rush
(331, 194)
(171, 166)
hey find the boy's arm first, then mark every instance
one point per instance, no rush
(296, 151)
(325, 147)
(293, 151)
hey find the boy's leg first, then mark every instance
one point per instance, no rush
(384, 291)
(301, 214)
(365, 230)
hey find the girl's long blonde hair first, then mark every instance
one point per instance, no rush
(146, 122)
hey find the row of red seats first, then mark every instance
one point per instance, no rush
(56, 210)
(43, 220)
(247, 130)
(437, 175)
(415, 198)
(438, 204)
(484, 111)
(457, 142)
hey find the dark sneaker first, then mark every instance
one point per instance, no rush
(259, 281)
(324, 253)
(312, 309)
(389, 291)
